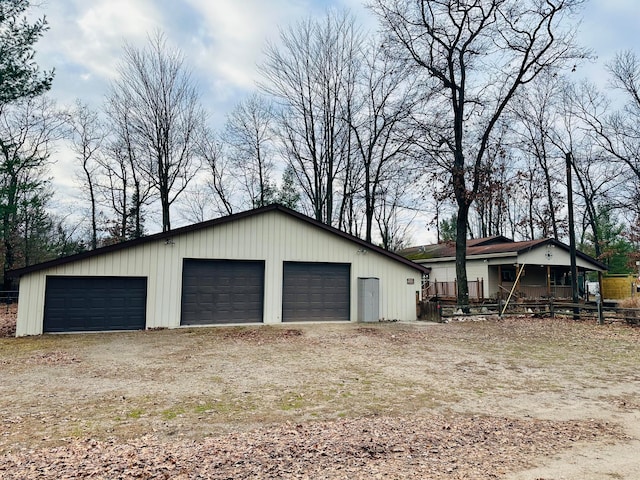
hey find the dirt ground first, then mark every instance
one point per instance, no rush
(513, 399)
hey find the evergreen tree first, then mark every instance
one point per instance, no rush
(448, 229)
(288, 196)
(20, 81)
(19, 75)
(616, 249)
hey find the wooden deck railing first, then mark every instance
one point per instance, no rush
(450, 289)
(476, 290)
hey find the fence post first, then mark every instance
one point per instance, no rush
(551, 310)
(600, 312)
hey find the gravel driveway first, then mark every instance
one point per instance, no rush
(518, 398)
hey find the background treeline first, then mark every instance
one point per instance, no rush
(456, 114)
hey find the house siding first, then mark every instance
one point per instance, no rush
(492, 285)
(441, 272)
(477, 270)
(558, 257)
(273, 237)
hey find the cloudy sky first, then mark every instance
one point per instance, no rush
(223, 41)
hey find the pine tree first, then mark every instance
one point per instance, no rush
(288, 196)
(19, 75)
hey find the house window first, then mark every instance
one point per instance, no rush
(508, 274)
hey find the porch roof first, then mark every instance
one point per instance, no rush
(490, 247)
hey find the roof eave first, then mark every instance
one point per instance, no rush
(207, 224)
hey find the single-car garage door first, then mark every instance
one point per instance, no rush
(315, 292)
(90, 304)
(222, 291)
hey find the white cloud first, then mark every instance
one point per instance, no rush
(223, 40)
(101, 29)
(84, 42)
(233, 33)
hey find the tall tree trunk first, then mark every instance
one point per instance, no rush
(92, 200)
(8, 229)
(461, 256)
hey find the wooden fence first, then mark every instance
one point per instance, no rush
(8, 298)
(430, 311)
(553, 308)
(537, 292)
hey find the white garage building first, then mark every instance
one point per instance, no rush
(269, 265)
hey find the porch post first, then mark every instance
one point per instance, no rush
(600, 310)
(499, 281)
(549, 281)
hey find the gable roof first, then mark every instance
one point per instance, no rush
(488, 246)
(495, 240)
(212, 223)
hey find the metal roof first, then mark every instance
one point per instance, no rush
(496, 246)
(210, 224)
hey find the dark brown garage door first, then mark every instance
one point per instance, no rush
(315, 292)
(222, 291)
(89, 304)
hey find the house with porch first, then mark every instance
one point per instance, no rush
(542, 268)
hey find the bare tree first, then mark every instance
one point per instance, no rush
(164, 115)
(489, 210)
(126, 187)
(249, 136)
(537, 113)
(28, 130)
(619, 133)
(195, 207)
(87, 137)
(219, 180)
(27, 125)
(596, 175)
(393, 228)
(478, 54)
(381, 130)
(609, 176)
(311, 72)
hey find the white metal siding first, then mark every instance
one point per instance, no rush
(273, 236)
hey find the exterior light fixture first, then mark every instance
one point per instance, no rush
(548, 254)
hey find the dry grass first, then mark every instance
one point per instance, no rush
(8, 315)
(280, 401)
(631, 302)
